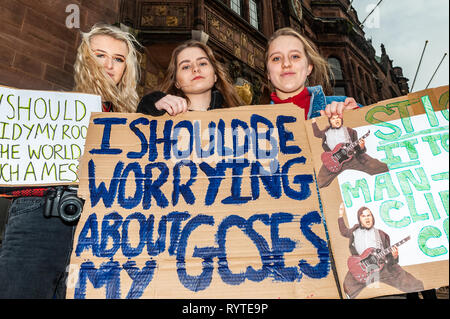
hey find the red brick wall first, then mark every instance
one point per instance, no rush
(37, 49)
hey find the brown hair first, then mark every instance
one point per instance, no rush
(223, 83)
(321, 72)
(359, 213)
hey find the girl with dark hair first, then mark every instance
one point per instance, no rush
(194, 80)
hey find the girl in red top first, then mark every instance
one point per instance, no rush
(291, 60)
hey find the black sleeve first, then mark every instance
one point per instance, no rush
(147, 104)
(387, 243)
(354, 138)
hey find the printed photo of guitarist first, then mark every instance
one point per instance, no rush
(366, 266)
(333, 138)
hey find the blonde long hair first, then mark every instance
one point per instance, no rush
(90, 76)
(223, 83)
(321, 73)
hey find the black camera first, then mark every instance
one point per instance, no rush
(62, 201)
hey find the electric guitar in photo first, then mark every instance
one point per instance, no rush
(343, 152)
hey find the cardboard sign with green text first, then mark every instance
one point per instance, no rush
(382, 173)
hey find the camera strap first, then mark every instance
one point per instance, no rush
(14, 192)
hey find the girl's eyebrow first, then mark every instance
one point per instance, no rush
(116, 55)
(276, 52)
(188, 61)
(279, 52)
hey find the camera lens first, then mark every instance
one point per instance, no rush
(70, 208)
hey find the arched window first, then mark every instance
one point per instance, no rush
(360, 76)
(362, 98)
(336, 68)
(393, 94)
(368, 84)
(339, 91)
(353, 70)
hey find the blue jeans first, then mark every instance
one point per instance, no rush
(35, 252)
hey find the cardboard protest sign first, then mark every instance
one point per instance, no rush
(382, 173)
(218, 204)
(42, 135)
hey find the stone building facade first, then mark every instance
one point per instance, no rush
(38, 45)
(238, 30)
(37, 48)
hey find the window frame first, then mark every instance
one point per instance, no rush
(245, 11)
(237, 3)
(334, 67)
(258, 9)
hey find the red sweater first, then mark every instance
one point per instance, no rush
(302, 100)
(107, 107)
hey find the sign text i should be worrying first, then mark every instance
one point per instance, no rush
(239, 186)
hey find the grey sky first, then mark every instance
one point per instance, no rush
(403, 26)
